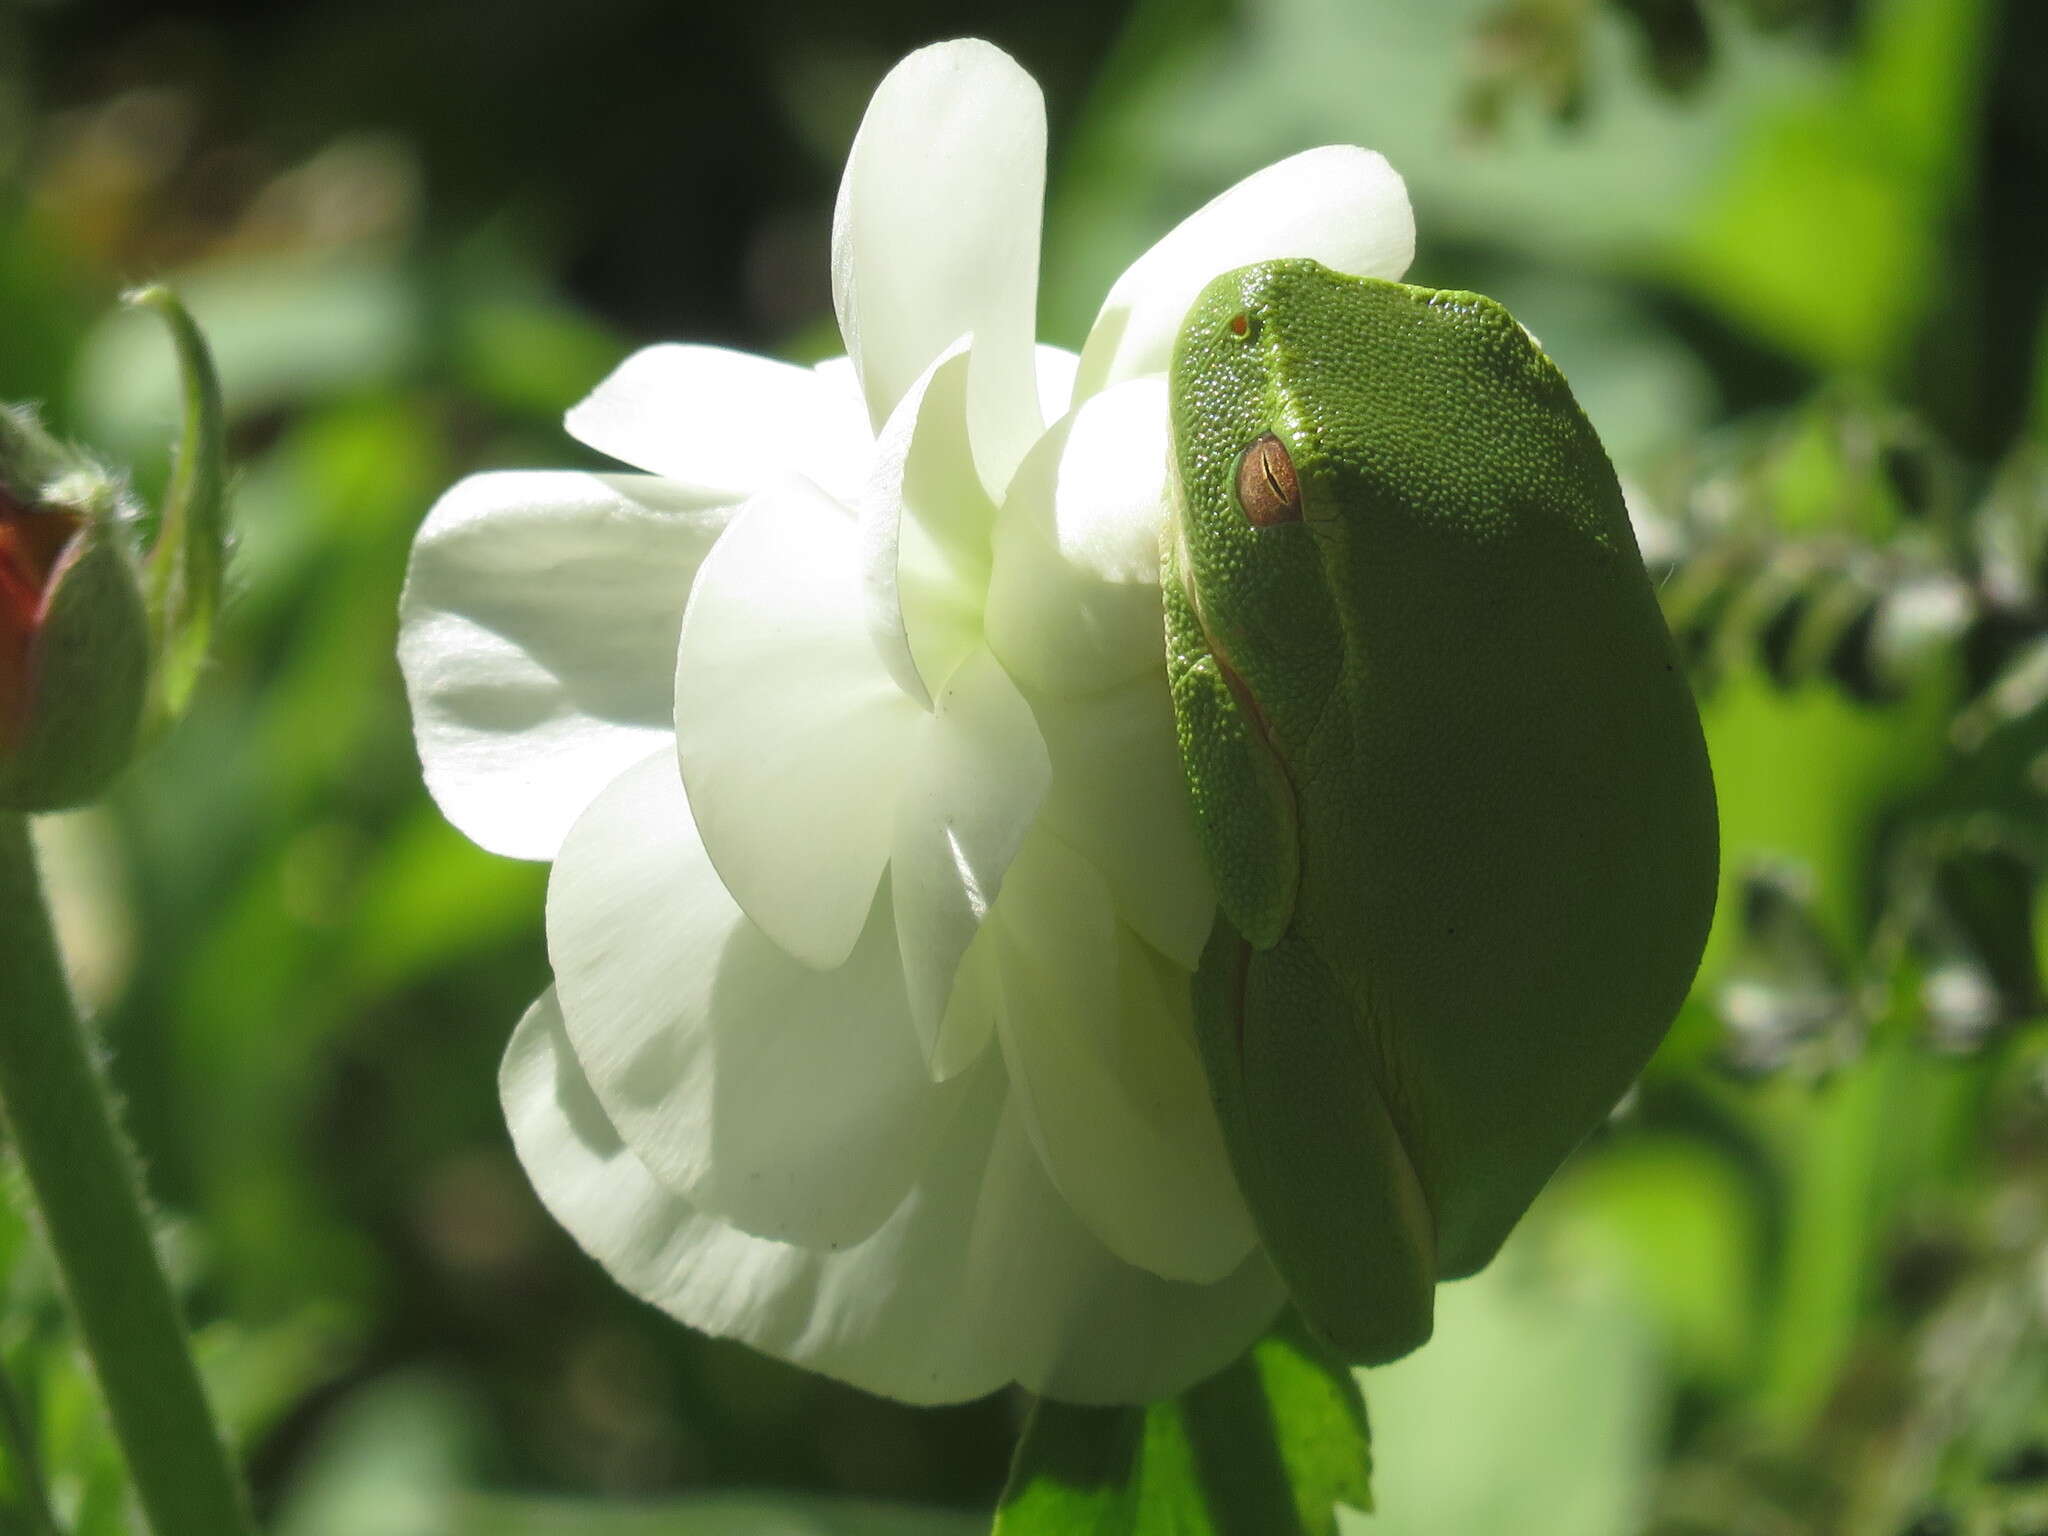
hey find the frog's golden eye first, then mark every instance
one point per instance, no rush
(1267, 488)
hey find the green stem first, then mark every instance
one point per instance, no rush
(20, 1437)
(86, 1185)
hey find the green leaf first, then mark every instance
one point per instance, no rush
(1268, 1447)
(183, 572)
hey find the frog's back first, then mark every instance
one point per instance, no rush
(1507, 826)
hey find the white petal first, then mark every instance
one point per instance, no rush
(537, 635)
(974, 778)
(1120, 798)
(1056, 368)
(789, 1102)
(843, 379)
(789, 729)
(970, 1019)
(1340, 205)
(1099, 1040)
(724, 422)
(936, 234)
(980, 1278)
(925, 524)
(1073, 599)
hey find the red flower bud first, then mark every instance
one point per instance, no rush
(74, 651)
(31, 546)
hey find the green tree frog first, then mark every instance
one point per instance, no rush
(1446, 772)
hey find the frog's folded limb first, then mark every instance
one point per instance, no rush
(1242, 802)
(1326, 1172)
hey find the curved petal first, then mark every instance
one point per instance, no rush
(537, 635)
(1340, 205)
(982, 1277)
(789, 1102)
(724, 422)
(936, 234)
(789, 729)
(1119, 798)
(1100, 1045)
(1073, 597)
(974, 778)
(925, 532)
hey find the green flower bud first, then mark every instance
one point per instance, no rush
(74, 639)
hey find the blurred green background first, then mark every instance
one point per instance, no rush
(1792, 254)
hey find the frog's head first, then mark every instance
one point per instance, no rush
(1254, 506)
(1370, 472)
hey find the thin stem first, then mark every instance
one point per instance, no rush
(20, 1437)
(87, 1188)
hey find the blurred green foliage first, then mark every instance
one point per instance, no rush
(1793, 257)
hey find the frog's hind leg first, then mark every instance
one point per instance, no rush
(1322, 1164)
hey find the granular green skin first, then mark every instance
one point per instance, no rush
(1446, 771)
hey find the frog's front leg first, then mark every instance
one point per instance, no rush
(1322, 1164)
(1244, 806)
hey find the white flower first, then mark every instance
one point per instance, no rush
(875, 889)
